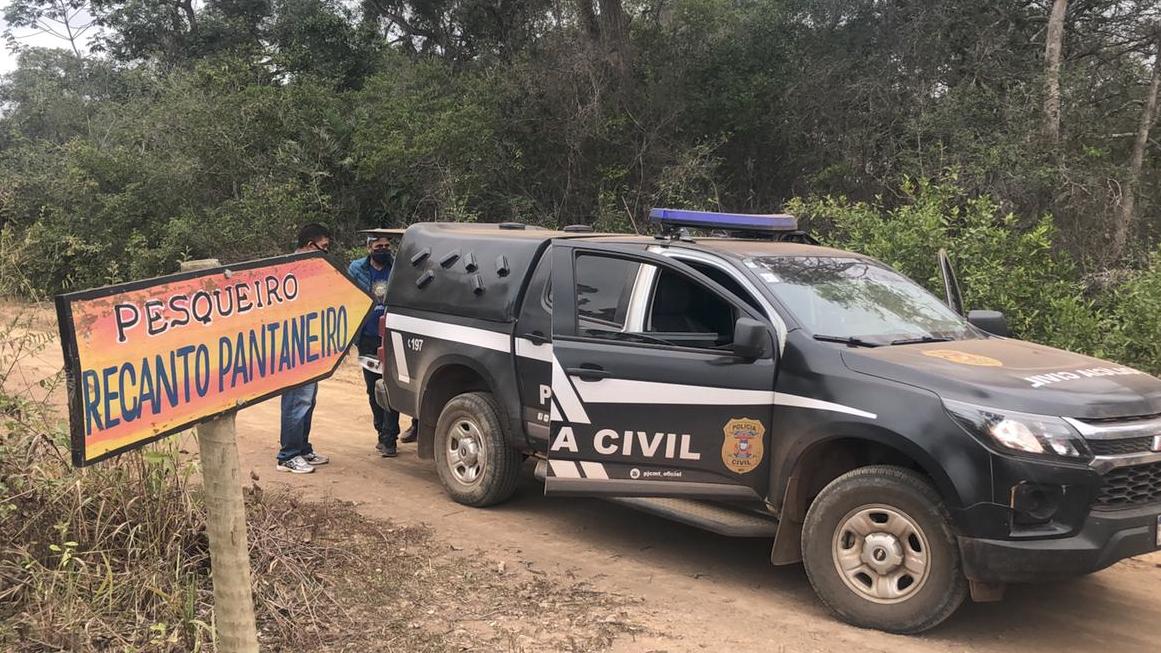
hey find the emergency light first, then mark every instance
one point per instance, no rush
(744, 222)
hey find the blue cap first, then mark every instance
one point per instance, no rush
(729, 221)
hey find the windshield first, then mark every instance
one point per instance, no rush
(857, 298)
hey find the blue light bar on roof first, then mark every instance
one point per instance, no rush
(728, 221)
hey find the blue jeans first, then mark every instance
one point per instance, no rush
(297, 409)
(386, 421)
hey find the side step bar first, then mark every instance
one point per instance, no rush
(713, 517)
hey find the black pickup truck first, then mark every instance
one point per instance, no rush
(756, 385)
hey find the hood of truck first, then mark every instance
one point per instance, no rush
(1015, 375)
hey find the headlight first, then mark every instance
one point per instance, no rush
(1041, 435)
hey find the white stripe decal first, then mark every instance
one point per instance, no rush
(564, 469)
(562, 390)
(783, 399)
(401, 370)
(528, 349)
(593, 470)
(453, 332)
(621, 391)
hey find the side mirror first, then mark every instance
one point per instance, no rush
(752, 340)
(993, 322)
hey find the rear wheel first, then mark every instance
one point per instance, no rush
(878, 548)
(472, 457)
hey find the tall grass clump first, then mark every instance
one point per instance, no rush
(115, 556)
(110, 557)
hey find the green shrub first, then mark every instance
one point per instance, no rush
(1001, 264)
(1135, 319)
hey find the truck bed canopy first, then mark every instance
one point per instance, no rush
(471, 270)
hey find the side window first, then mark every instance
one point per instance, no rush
(603, 288)
(688, 314)
(728, 282)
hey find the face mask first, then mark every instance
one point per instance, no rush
(381, 258)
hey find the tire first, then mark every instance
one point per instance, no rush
(853, 515)
(475, 464)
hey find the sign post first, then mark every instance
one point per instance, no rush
(226, 525)
(151, 358)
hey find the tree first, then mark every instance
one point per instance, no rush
(1124, 225)
(1053, 46)
(64, 19)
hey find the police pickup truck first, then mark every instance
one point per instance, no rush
(757, 385)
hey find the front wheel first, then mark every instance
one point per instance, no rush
(878, 548)
(475, 464)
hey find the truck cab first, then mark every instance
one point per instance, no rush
(757, 385)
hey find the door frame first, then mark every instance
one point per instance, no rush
(566, 333)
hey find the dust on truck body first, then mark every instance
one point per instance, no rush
(757, 385)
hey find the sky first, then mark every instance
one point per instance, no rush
(33, 38)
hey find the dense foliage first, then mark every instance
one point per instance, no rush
(193, 129)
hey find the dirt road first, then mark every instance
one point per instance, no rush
(698, 591)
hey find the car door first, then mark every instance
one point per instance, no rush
(533, 347)
(649, 396)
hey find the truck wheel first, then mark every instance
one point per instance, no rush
(472, 456)
(878, 548)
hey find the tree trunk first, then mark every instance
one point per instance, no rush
(615, 32)
(191, 16)
(1124, 225)
(1052, 52)
(588, 18)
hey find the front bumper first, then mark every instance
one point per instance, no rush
(1105, 538)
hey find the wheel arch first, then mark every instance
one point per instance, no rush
(826, 458)
(449, 376)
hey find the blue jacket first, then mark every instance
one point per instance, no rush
(360, 271)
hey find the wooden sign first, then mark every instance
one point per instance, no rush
(150, 358)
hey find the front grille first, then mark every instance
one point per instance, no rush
(1121, 447)
(1125, 487)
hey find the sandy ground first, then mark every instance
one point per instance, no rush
(692, 590)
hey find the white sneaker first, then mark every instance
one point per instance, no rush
(316, 459)
(296, 465)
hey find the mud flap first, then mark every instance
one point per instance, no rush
(787, 548)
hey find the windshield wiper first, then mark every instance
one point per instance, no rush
(920, 340)
(850, 341)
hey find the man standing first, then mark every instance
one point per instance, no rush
(371, 274)
(296, 455)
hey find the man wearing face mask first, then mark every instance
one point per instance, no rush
(371, 273)
(296, 455)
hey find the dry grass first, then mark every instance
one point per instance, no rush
(115, 558)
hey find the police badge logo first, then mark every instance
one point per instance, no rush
(963, 358)
(742, 446)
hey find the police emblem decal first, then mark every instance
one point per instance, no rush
(963, 358)
(742, 445)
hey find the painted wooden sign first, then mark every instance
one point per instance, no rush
(150, 358)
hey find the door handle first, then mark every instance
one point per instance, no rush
(536, 338)
(588, 372)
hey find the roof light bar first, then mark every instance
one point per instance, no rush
(772, 222)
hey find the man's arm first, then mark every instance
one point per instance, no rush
(356, 272)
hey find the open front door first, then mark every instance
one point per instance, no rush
(951, 291)
(662, 380)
